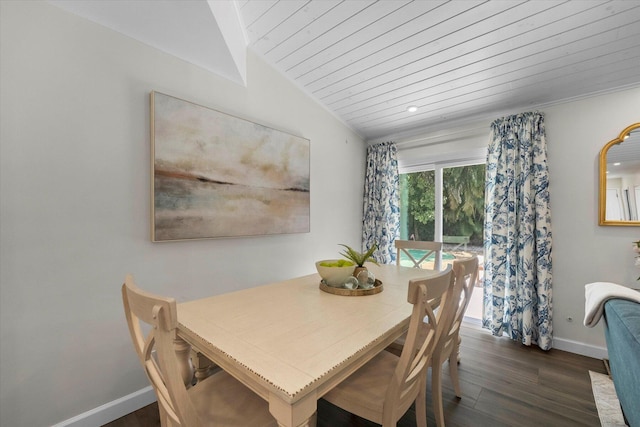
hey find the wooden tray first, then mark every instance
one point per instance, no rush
(377, 288)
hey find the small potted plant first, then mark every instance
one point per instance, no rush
(359, 258)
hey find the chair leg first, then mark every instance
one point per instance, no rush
(453, 372)
(421, 407)
(436, 391)
(164, 419)
(454, 360)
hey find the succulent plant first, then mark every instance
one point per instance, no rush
(359, 258)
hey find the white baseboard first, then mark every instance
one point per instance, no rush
(113, 410)
(472, 322)
(580, 348)
(558, 343)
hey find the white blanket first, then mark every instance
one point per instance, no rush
(596, 294)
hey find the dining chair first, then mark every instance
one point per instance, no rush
(448, 347)
(384, 388)
(435, 248)
(404, 247)
(218, 400)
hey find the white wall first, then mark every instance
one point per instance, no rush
(74, 187)
(583, 252)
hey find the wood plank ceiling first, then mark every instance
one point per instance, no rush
(457, 61)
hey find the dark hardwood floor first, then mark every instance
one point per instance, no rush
(503, 384)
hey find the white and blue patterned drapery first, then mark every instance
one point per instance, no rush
(381, 216)
(517, 232)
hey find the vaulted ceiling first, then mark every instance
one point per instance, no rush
(368, 61)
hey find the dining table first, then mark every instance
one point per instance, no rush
(291, 342)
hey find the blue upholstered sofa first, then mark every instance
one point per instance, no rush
(622, 332)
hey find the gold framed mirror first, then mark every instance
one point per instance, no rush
(620, 179)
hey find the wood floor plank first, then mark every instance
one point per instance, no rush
(503, 383)
(513, 410)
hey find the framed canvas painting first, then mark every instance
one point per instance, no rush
(216, 175)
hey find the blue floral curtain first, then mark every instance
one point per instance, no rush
(517, 232)
(381, 216)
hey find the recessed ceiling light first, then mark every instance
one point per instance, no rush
(616, 164)
(412, 108)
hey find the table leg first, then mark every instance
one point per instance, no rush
(183, 354)
(202, 366)
(300, 414)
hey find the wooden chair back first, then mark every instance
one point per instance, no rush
(435, 248)
(424, 330)
(162, 369)
(465, 276)
(465, 272)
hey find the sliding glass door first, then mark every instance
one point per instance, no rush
(446, 203)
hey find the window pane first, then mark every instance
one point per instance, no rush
(417, 205)
(463, 207)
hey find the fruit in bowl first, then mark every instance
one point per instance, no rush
(335, 271)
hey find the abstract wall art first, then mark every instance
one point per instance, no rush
(216, 175)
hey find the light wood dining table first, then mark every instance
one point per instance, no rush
(291, 342)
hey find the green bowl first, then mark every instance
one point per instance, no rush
(334, 276)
